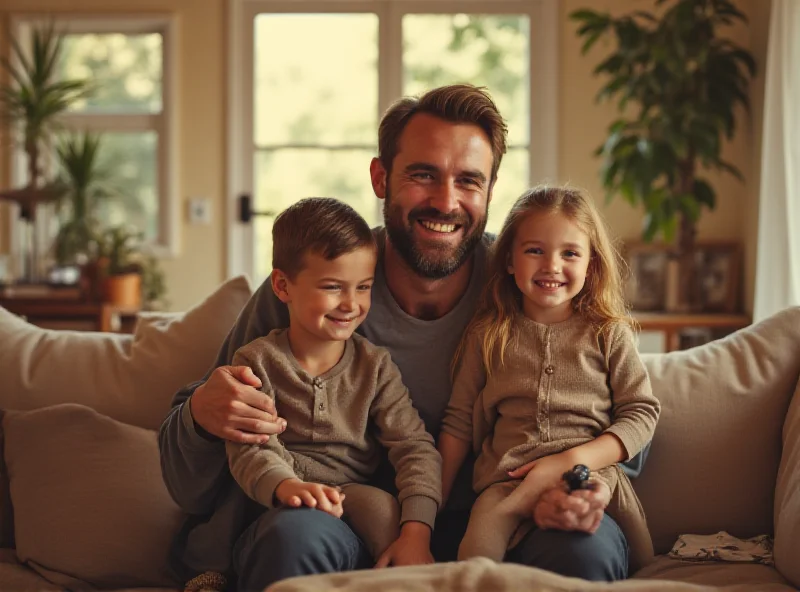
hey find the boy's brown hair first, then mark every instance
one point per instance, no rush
(457, 103)
(321, 225)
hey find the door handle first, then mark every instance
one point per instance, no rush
(246, 211)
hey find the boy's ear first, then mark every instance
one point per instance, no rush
(280, 285)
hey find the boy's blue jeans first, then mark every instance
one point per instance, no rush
(293, 542)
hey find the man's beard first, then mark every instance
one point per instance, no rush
(434, 262)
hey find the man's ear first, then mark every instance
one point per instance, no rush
(280, 285)
(377, 175)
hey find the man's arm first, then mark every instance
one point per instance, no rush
(193, 460)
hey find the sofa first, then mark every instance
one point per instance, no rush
(83, 506)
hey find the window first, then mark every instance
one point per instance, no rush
(311, 79)
(129, 61)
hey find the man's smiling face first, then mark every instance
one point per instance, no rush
(437, 194)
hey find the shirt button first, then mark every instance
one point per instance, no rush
(321, 406)
(549, 370)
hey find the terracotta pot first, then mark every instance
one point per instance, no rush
(123, 290)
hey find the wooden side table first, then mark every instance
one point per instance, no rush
(103, 316)
(671, 324)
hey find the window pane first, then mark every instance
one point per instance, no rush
(285, 176)
(490, 51)
(129, 161)
(316, 79)
(512, 181)
(126, 71)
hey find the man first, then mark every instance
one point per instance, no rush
(437, 164)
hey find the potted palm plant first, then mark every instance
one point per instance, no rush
(677, 84)
(34, 97)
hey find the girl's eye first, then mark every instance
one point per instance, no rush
(534, 251)
(571, 254)
(365, 287)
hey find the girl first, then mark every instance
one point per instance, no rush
(547, 374)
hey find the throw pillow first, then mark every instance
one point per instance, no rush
(129, 378)
(715, 455)
(787, 497)
(89, 500)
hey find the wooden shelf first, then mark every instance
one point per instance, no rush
(102, 316)
(671, 324)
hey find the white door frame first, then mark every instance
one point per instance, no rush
(543, 80)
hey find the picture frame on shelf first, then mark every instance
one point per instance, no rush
(646, 288)
(718, 269)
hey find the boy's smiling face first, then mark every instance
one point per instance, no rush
(328, 300)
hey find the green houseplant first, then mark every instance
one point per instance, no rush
(84, 186)
(33, 97)
(677, 84)
(119, 251)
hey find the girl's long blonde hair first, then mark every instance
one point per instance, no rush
(600, 302)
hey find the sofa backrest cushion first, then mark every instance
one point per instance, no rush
(131, 378)
(787, 497)
(717, 446)
(89, 501)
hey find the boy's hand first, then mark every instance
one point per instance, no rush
(295, 493)
(412, 547)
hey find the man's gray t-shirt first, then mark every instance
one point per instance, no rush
(423, 349)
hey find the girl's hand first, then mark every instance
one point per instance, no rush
(538, 476)
(412, 547)
(295, 493)
(581, 510)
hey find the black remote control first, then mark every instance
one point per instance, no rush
(576, 477)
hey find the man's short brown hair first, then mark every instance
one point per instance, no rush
(321, 225)
(457, 103)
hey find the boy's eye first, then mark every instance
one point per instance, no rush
(331, 287)
(365, 287)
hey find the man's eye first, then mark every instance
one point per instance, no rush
(422, 176)
(469, 181)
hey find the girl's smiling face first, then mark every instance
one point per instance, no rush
(549, 261)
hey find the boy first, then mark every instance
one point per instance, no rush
(342, 396)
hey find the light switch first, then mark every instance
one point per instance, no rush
(199, 210)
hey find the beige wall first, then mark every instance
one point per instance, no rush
(200, 265)
(201, 169)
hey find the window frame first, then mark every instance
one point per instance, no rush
(164, 123)
(543, 81)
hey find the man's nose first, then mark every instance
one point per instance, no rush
(444, 197)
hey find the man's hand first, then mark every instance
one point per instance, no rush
(230, 406)
(295, 493)
(412, 547)
(581, 510)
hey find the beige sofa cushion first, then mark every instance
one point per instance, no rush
(716, 450)
(89, 501)
(787, 497)
(129, 378)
